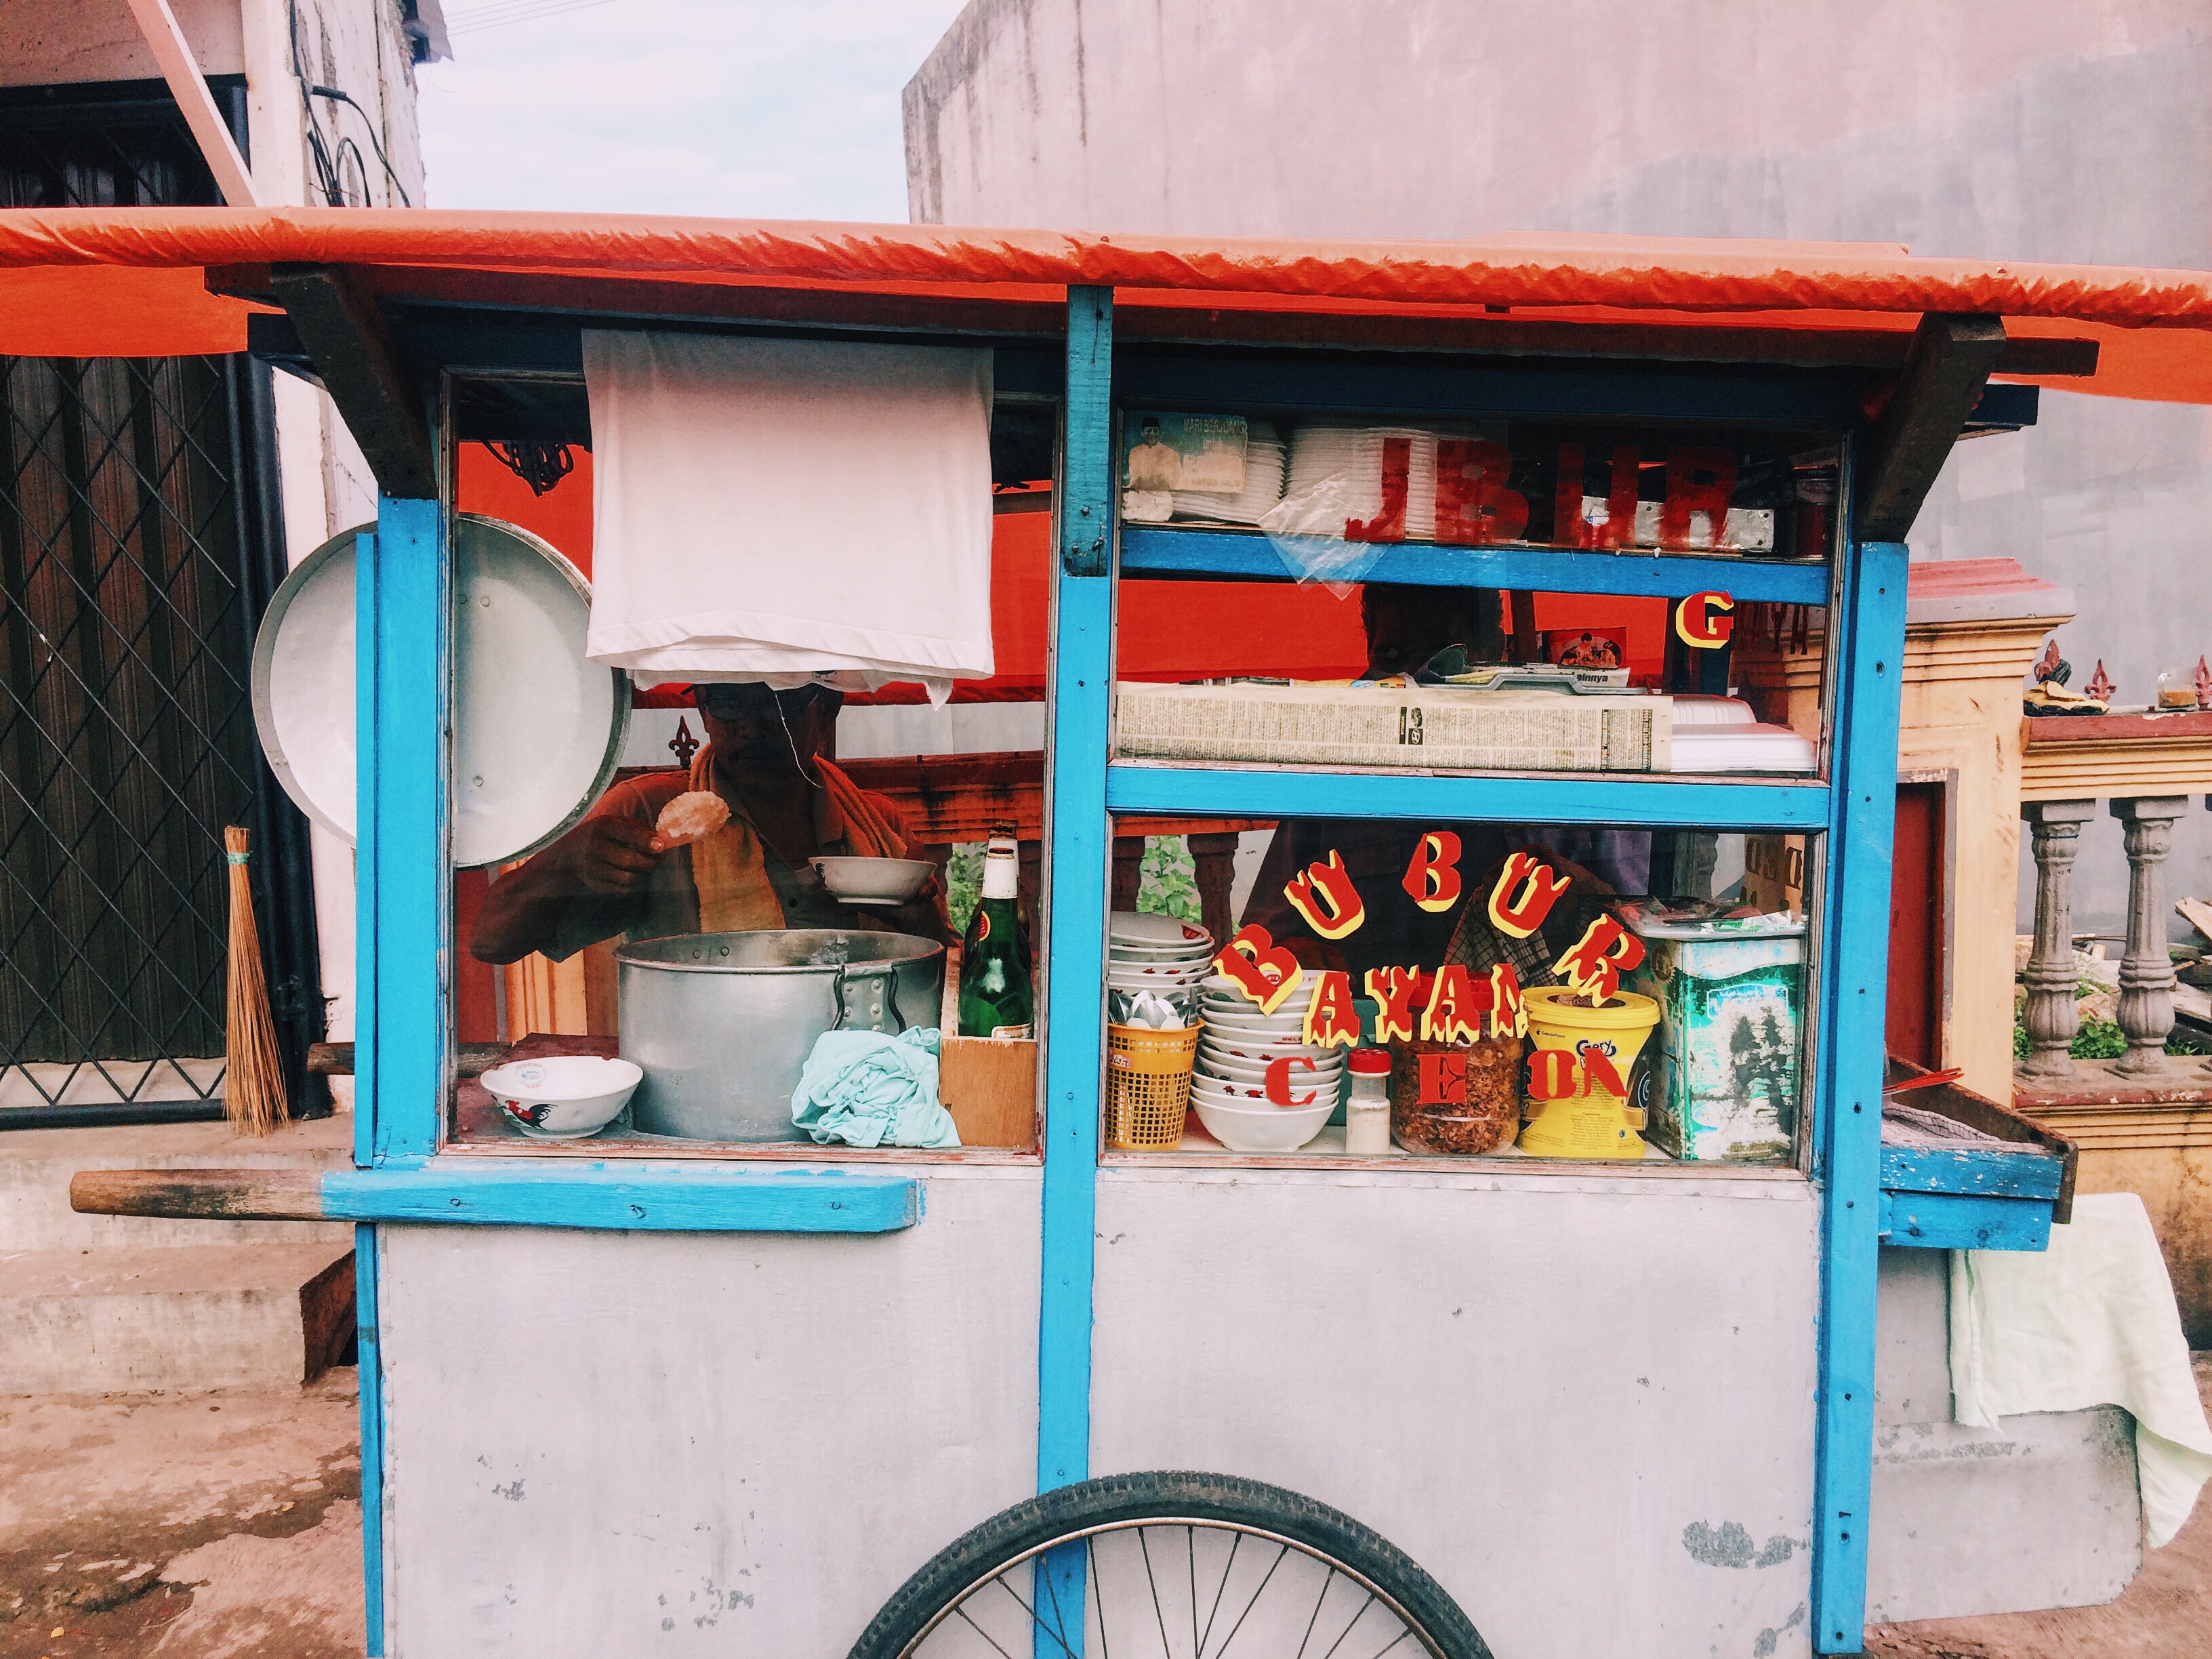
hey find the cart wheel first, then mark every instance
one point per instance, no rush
(1171, 1565)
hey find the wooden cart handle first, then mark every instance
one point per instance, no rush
(336, 1058)
(201, 1194)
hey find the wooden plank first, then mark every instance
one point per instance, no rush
(1854, 943)
(1962, 1221)
(173, 54)
(354, 355)
(591, 299)
(200, 1194)
(1951, 361)
(1189, 552)
(1962, 1105)
(336, 1058)
(403, 869)
(1997, 1173)
(643, 1196)
(1073, 1015)
(1804, 348)
(1162, 787)
(2045, 729)
(369, 1356)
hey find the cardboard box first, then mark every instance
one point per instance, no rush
(989, 1084)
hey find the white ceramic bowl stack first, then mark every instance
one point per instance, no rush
(1228, 1084)
(1263, 484)
(1157, 953)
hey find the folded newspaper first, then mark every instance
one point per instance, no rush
(1428, 727)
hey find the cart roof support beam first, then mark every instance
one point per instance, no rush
(1951, 361)
(343, 332)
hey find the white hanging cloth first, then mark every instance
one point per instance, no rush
(789, 509)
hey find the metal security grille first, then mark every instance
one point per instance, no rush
(138, 542)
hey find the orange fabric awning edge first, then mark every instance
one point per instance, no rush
(85, 277)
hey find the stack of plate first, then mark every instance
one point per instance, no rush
(1229, 1085)
(1354, 453)
(1263, 484)
(1157, 953)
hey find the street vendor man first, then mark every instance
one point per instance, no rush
(623, 872)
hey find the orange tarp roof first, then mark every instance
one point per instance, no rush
(115, 281)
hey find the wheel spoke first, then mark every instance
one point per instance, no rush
(1394, 1641)
(1280, 1554)
(1152, 1584)
(1035, 1618)
(981, 1631)
(1346, 1632)
(1313, 1617)
(1236, 1543)
(1190, 1548)
(1097, 1593)
(1051, 1581)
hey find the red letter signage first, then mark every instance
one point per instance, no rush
(1524, 894)
(1266, 972)
(1325, 897)
(1700, 482)
(1432, 879)
(1595, 961)
(1332, 1018)
(1473, 505)
(1703, 621)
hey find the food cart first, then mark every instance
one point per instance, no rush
(726, 1397)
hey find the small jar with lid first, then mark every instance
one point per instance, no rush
(1367, 1107)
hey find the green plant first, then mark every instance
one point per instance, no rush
(964, 879)
(1167, 880)
(2099, 1039)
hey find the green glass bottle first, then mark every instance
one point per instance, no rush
(995, 996)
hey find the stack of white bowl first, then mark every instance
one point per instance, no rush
(1321, 450)
(1157, 954)
(1263, 484)
(1229, 1085)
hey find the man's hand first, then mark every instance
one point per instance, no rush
(614, 854)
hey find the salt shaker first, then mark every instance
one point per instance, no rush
(1367, 1109)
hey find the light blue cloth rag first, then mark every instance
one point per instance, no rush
(870, 1089)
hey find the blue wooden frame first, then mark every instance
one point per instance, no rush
(1191, 551)
(402, 1034)
(1141, 787)
(1869, 646)
(625, 1197)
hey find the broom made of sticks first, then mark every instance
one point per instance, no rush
(253, 1077)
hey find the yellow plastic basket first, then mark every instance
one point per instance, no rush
(1147, 1085)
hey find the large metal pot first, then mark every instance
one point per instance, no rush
(722, 1023)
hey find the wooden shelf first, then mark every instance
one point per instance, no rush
(1194, 551)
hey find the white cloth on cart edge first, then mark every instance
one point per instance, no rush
(2089, 1322)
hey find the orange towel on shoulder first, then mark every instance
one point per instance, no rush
(730, 867)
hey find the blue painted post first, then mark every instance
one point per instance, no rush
(1075, 808)
(404, 906)
(369, 1357)
(1862, 793)
(403, 909)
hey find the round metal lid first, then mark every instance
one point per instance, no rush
(538, 728)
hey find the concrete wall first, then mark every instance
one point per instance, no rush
(704, 1444)
(1565, 1397)
(2014, 129)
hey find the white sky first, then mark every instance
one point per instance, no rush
(743, 108)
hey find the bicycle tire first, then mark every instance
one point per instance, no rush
(1025, 1530)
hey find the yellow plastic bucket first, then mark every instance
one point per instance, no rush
(1593, 1122)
